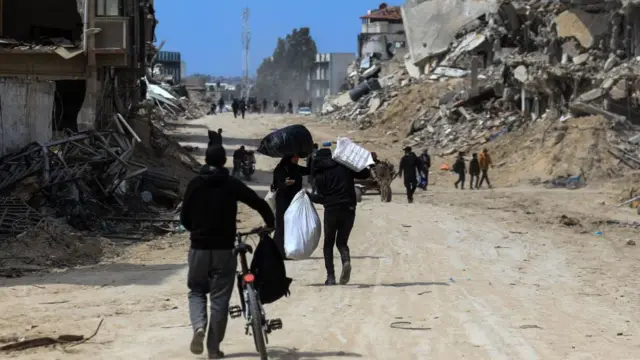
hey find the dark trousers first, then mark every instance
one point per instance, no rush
(484, 178)
(425, 176)
(211, 272)
(235, 113)
(338, 223)
(236, 167)
(461, 178)
(473, 176)
(411, 184)
(242, 112)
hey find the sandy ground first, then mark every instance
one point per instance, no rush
(475, 275)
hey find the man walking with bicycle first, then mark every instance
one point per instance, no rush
(209, 211)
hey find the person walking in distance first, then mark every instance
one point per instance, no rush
(235, 107)
(474, 171)
(209, 211)
(242, 107)
(485, 161)
(425, 161)
(335, 190)
(221, 105)
(409, 166)
(460, 168)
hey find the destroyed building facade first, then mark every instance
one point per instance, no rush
(68, 64)
(328, 76)
(382, 32)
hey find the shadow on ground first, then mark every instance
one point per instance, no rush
(102, 275)
(281, 353)
(396, 285)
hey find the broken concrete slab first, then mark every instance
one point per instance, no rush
(450, 72)
(374, 104)
(592, 95)
(431, 27)
(413, 70)
(586, 27)
(521, 73)
(581, 59)
(608, 83)
(611, 62)
(469, 42)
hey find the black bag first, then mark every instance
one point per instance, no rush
(270, 273)
(288, 141)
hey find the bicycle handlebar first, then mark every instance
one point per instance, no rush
(256, 231)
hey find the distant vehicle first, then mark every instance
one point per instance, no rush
(304, 111)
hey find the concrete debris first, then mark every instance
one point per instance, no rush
(91, 179)
(523, 61)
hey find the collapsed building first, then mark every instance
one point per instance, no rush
(69, 65)
(78, 136)
(508, 63)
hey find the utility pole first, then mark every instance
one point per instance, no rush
(246, 40)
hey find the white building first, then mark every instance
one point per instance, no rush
(327, 76)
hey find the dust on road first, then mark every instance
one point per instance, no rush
(430, 282)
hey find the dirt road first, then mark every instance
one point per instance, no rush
(429, 282)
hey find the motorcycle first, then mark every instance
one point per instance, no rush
(248, 165)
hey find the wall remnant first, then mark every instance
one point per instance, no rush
(26, 108)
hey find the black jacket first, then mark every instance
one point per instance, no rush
(459, 167)
(238, 155)
(474, 167)
(409, 167)
(285, 193)
(210, 207)
(334, 182)
(215, 139)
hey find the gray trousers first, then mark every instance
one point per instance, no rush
(211, 272)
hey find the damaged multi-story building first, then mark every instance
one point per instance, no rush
(569, 55)
(382, 32)
(69, 64)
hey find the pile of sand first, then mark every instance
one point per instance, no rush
(552, 148)
(412, 101)
(52, 244)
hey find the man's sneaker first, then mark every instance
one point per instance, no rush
(197, 342)
(346, 273)
(330, 281)
(217, 355)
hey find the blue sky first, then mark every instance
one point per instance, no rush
(208, 32)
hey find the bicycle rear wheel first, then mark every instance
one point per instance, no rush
(256, 323)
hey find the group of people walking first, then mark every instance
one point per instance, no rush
(239, 107)
(478, 170)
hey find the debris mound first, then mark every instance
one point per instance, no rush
(557, 79)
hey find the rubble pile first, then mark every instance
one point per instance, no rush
(518, 62)
(173, 106)
(88, 178)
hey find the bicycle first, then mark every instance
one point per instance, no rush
(250, 305)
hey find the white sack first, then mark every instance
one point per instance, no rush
(352, 155)
(270, 198)
(302, 227)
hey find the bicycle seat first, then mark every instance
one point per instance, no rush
(243, 248)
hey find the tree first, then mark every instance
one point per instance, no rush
(283, 76)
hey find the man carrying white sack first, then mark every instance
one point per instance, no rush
(335, 190)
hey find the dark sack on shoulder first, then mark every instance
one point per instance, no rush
(270, 273)
(288, 141)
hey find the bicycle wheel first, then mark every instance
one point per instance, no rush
(256, 323)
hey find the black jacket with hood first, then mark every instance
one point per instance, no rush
(210, 207)
(334, 182)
